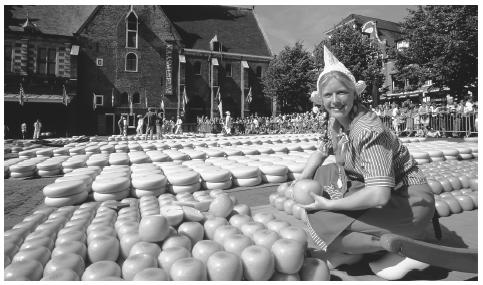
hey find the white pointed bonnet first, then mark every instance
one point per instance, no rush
(333, 64)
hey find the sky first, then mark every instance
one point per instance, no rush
(285, 25)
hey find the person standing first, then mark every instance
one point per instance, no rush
(139, 129)
(37, 128)
(150, 123)
(119, 124)
(179, 123)
(23, 129)
(159, 125)
(124, 126)
(228, 123)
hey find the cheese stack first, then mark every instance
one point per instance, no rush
(121, 148)
(65, 193)
(78, 161)
(51, 166)
(61, 151)
(182, 179)
(136, 157)
(27, 153)
(45, 152)
(119, 159)
(110, 187)
(107, 149)
(214, 178)
(158, 156)
(274, 173)
(92, 149)
(245, 176)
(23, 169)
(177, 155)
(77, 150)
(148, 182)
(98, 159)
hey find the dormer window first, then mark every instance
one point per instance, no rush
(215, 45)
(132, 30)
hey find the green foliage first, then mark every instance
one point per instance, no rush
(290, 77)
(357, 52)
(443, 46)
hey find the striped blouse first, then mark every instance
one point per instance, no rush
(374, 155)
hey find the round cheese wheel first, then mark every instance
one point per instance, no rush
(113, 185)
(49, 165)
(173, 213)
(176, 189)
(465, 156)
(222, 185)
(22, 168)
(67, 200)
(296, 167)
(64, 188)
(450, 157)
(100, 197)
(85, 178)
(435, 153)
(124, 160)
(138, 193)
(183, 178)
(274, 178)
(22, 174)
(274, 170)
(422, 160)
(450, 152)
(247, 182)
(154, 181)
(245, 172)
(218, 175)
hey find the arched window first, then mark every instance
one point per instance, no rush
(124, 98)
(131, 62)
(132, 30)
(136, 98)
(259, 71)
(197, 68)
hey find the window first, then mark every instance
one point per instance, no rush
(51, 61)
(131, 62)
(197, 68)
(216, 46)
(228, 70)
(7, 64)
(99, 61)
(132, 31)
(42, 61)
(259, 71)
(136, 98)
(124, 98)
(99, 100)
(402, 44)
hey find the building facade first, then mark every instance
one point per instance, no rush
(388, 36)
(182, 57)
(41, 60)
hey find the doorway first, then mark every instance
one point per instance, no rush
(110, 124)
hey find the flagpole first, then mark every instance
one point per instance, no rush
(242, 87)
(211, 88)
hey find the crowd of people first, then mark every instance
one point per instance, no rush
(430, 119)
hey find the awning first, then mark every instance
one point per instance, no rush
(35, 98)
(182, 59)
(244, 63)
(214, 61)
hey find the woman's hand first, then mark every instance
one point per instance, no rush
(320, 203)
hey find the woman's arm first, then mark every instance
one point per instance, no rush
(369, 197)
(315, 160)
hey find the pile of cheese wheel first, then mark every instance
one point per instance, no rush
(25, 168)
(112, 183)
(71, 189)
(282, 200)
(441, 151)
(51, 166)
(454, 184)
(172, 237)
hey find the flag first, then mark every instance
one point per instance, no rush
(249, 96)
(218, 95)
(162, 105)
(220, 108)
(64, 95)
(130, 105)
(185, 97)
(21, 95)
(93, 101)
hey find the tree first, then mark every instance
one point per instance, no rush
(290, 77)
(358, 53)
(443, 45)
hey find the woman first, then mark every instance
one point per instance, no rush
(387, 192)
(139, 129)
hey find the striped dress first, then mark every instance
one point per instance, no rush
(373, 156)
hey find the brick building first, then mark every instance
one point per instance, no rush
(134, 57)
(388, 36)
(40, 57)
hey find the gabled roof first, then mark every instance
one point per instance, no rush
(360, 20)
(61, 20)
(236, 28)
